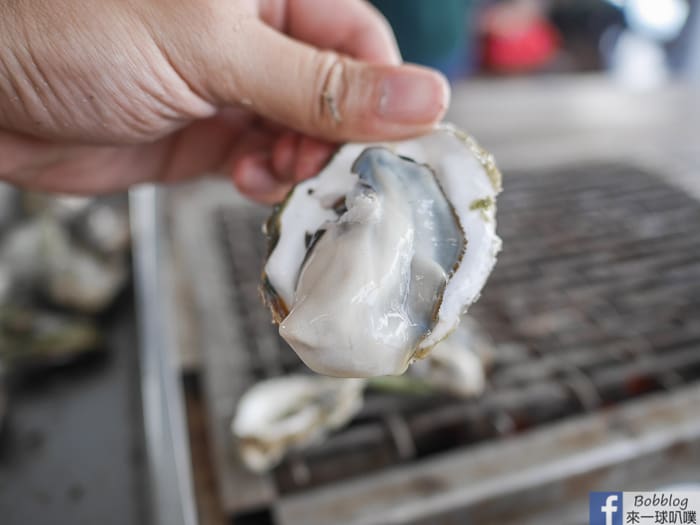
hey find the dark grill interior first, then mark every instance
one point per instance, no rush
(595, 300)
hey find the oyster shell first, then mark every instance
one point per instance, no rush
(32, 338)
(372, 262)
(296, 411)
(41, 256)
(456, 365)
(289, 412)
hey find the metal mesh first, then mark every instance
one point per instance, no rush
(595, 300)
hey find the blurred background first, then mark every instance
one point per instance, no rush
(130, 325)
(639, 42)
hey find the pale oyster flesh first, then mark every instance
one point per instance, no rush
(372, 262)
(379, 270)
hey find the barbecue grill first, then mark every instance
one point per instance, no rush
(594, 307)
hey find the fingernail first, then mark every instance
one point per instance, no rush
(411, 95)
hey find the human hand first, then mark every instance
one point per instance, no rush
(99, 96)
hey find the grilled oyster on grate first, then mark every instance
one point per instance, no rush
(372, 262)
(291, 412)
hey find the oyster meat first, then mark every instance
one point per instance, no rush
(372, 262)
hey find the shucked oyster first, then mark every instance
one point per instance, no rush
(372, 262)
(289, 412)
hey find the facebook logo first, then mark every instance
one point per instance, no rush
(605, 508)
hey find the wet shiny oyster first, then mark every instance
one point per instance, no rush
(372, 262)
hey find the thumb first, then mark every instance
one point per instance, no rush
(323, 94)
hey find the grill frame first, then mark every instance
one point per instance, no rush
(641, 445)
(187, 205)
(292, 505)
(573, 362)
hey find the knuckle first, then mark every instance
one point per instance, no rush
(329, 102)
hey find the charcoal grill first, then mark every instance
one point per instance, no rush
(594, 306)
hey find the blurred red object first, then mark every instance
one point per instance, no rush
(517, 38)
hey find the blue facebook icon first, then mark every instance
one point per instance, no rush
(605, 508)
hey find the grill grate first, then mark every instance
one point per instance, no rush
(595, 300)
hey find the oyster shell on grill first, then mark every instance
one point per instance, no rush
(372, 262)
(37, 338)
(42, 256)
(291, 412)
(296, 411)
(457, 364)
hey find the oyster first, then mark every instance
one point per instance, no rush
(76, 277)
(40, 255)
(372, 262)
(289, 412)
(457, 364)
(37, 338)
